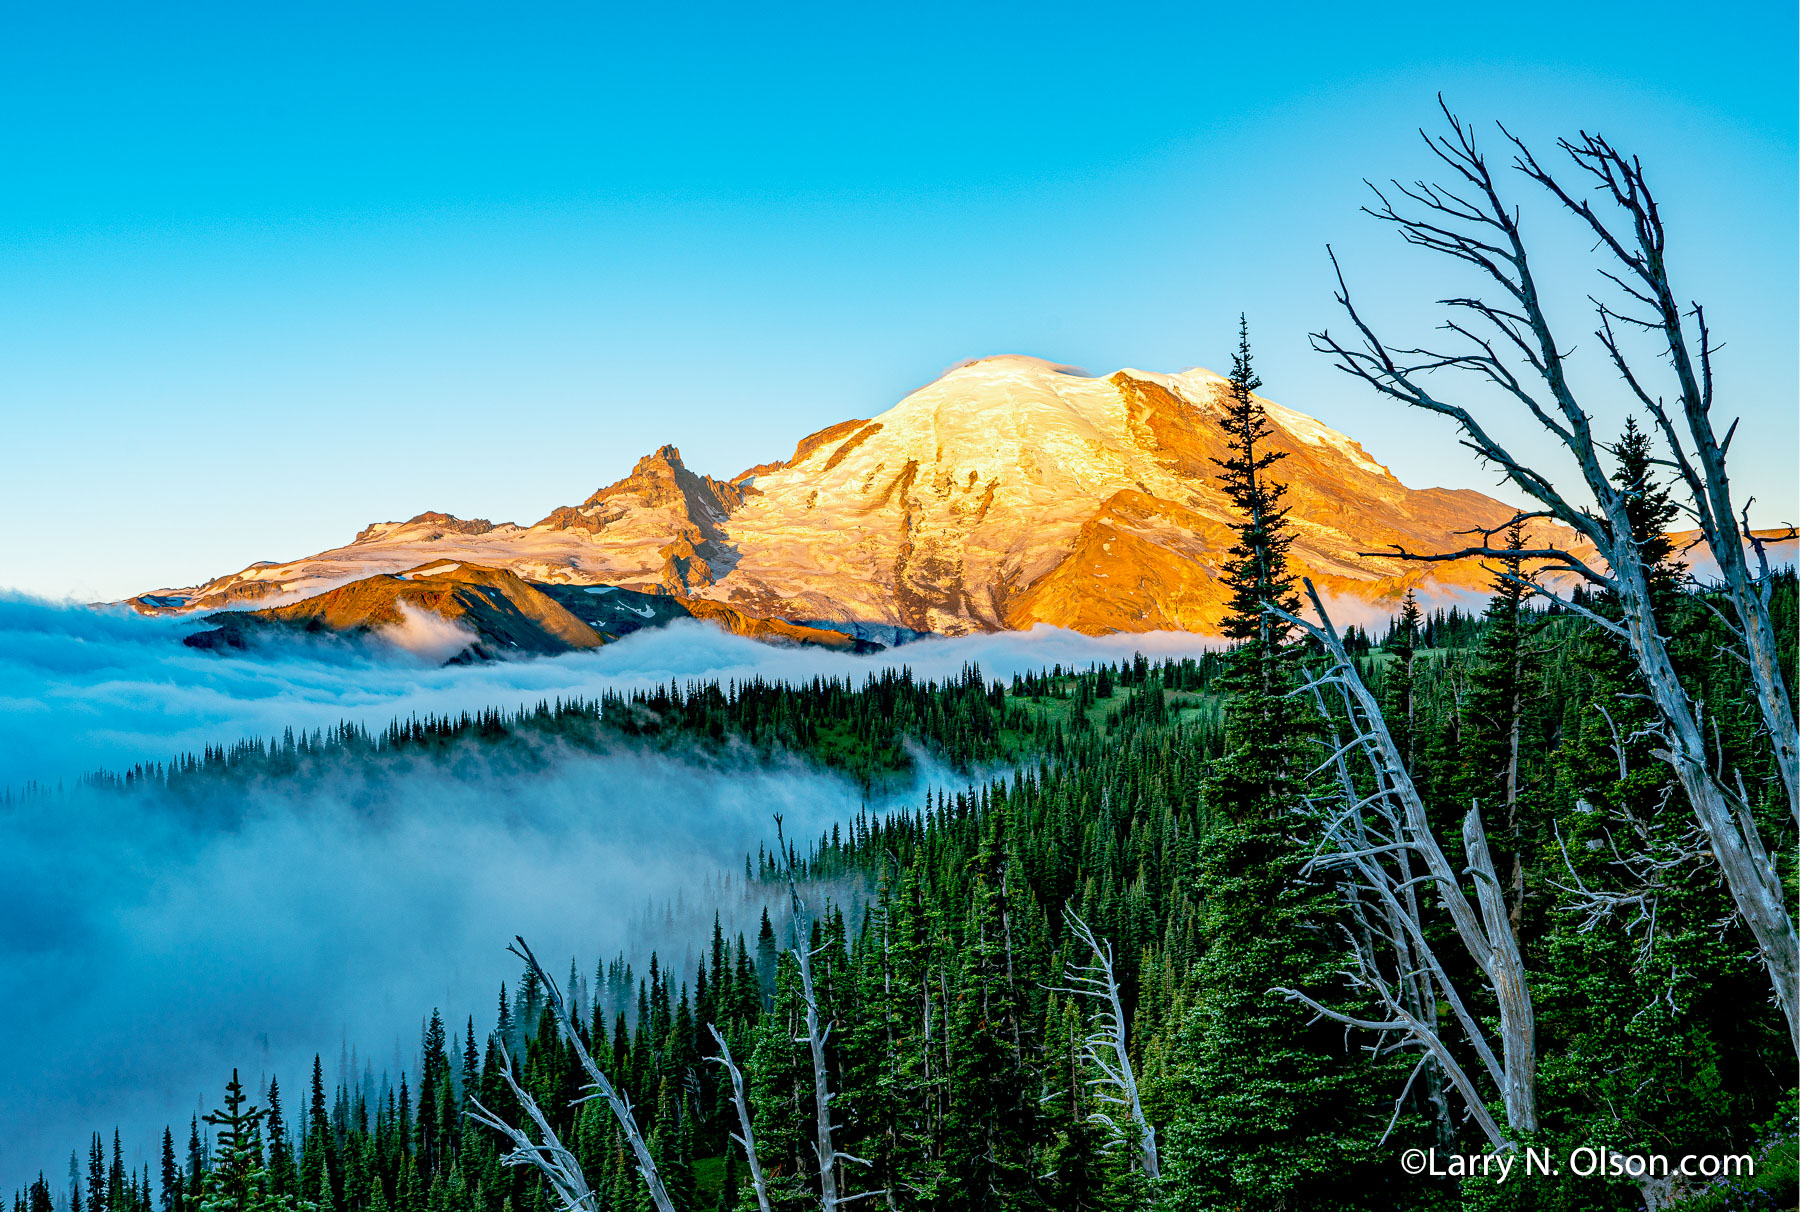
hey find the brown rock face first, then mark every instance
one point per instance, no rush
(692, 508)
(435, 525)
(501, 614)
(661, 479)
(496, 607)
(804, 447)
(1139, 564)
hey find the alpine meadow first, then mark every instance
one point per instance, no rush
(1044, 790)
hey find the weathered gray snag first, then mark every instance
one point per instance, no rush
(1644, 869)
(1387, 923)
(1641, 257)
(559, 1167)
(1106, 1048)
(557, 1164)
(817, 1033)
(746, 1137)
(1370, 840)
(1510, 348)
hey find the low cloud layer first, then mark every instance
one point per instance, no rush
(148, 946)
(82, 688)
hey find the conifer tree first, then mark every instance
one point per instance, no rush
(434, 1075)
(1257, 569)
(320, 1175)
(284, 1176)
(990, 1123)
(172, 1192)
(1401, 678)
(1269, 1105)
(96, 1174)
(196, 1161)
(471, 1061)
(115, 1177)
(672, 1143)
(765, 959)
(237, 1180)
(1494, 723)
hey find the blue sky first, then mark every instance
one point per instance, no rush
(268, 273)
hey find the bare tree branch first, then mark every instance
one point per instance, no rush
(559, 1167)
(1105, 1047)
(1478, 227)
(546, 1156)
(745, 1137)
(1379, 867)
(816, 1035)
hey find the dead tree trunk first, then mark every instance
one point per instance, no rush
(1511, 348)
(1368, 839)
(1399, 914)
(557, 1164)
(559, 1167)
(1105, 1048)
(817, 1033)
(745, 1137)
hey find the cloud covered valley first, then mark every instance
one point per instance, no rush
(149, 943)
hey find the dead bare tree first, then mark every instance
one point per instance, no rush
(746, 1136)
(1370, 839)
(559, 1167)
(1399, 913)
(817, 1034)
(1509, 346)
(1642, 872)
(552, 1159)
(1105, 1048)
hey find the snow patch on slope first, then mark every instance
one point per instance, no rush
(1316, 433)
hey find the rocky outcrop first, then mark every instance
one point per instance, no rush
(492, 614)
(428, 527)
(501, 613)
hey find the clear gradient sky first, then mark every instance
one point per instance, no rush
(271, 272)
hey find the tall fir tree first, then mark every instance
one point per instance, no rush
(321, 1178)
(1401, 678)
(1271, 1108)
(989, 1124)
(238, 1180)
(765, 959)
(172, 1189)
(1494, 720)
(284, 1175)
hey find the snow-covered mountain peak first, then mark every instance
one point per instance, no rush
(1009, 491)
(1018, 365)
